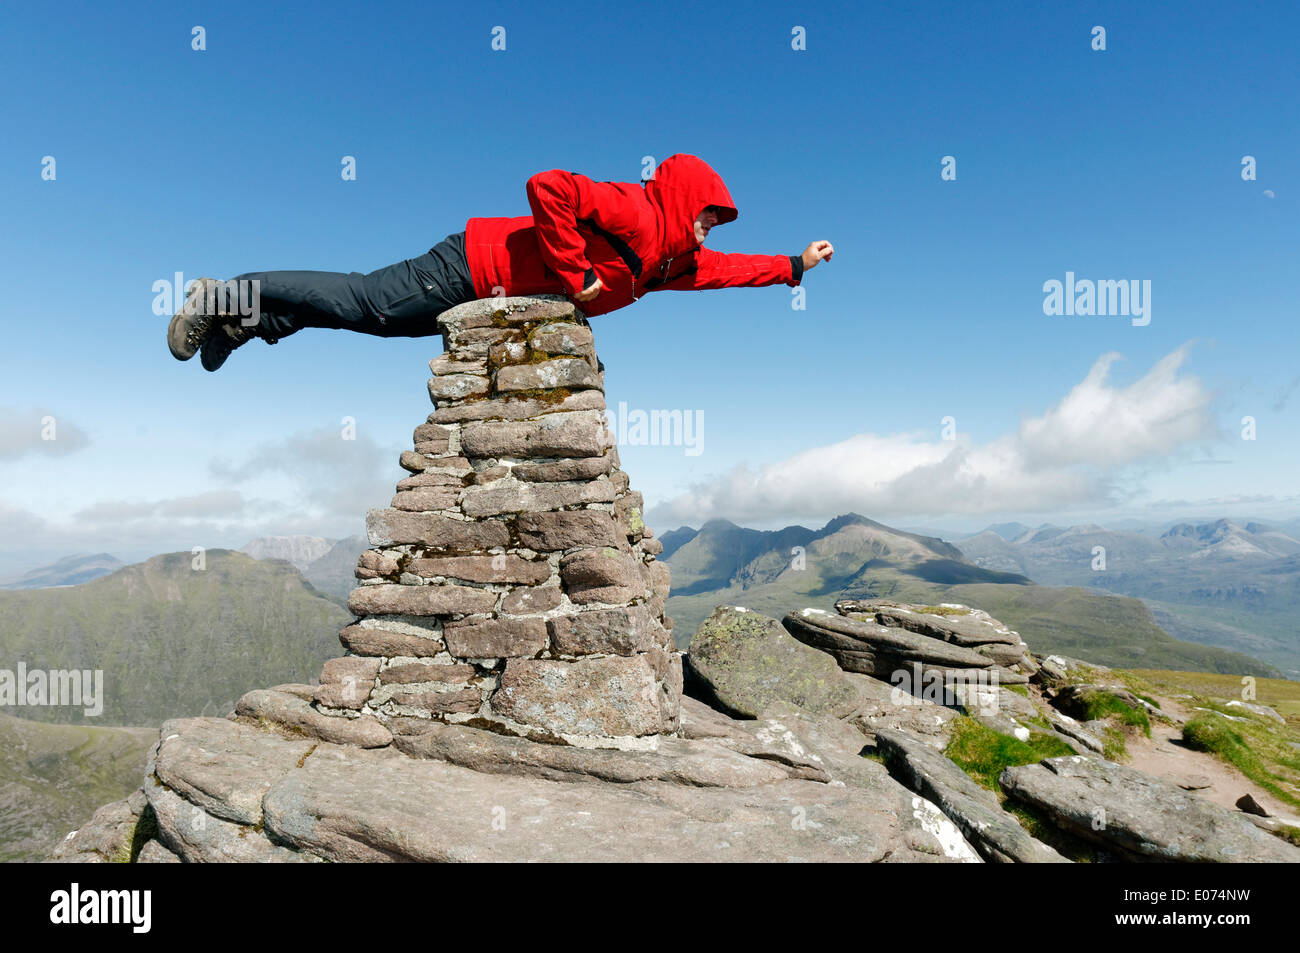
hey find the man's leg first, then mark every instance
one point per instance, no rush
(400, 300)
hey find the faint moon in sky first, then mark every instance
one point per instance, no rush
(1269, 193)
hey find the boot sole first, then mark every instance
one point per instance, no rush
(175, 330)
(206, 358)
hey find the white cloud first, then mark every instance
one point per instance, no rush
(1074, 454)
(137, 530)
(19, 525)
(313, 483)
(1111, 426)
(215, 504)
(33, 430)
(331, 477)
(1223, 502)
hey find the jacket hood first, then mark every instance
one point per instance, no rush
(681, 188)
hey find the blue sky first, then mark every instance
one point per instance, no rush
(1122, 164)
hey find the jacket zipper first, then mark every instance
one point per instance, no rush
(666, 267)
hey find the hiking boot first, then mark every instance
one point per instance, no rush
(192, 324)
(223, 340)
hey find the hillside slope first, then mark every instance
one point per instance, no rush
(331, 573)
(173, 641)
(53, 777)
(1223, 583)
(1110, 630)
(855, 557)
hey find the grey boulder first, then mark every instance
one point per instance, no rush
(743, 662)
(1140, 817)
(870, 648)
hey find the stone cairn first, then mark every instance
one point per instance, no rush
(512, 584)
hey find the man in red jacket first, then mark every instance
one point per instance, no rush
(602, 244)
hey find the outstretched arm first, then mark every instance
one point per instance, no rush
(716, 270)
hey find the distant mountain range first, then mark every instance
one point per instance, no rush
(332, 573)
(170, 639)
(68, 571)
(1218, 596)
(176, 641)
(1231, 584)
(1008, 530)
(326, 563)
(302, 551)
(854, 557)
(1061, 549)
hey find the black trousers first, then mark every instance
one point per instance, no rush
(401, 300)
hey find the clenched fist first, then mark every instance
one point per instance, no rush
(816, 252)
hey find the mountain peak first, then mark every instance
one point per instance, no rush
(1008, 531)
(68, 571)
(301, 551)
(847, 519)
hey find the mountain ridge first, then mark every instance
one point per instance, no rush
(69, 571)
(171, 638)
(1217, 582)
(852, 556)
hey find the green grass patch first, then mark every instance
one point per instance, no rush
(1239, 712)
(1280, 694)
(1246, 746)
(1113, 745)
(146, 828)
(1102, 704)
(1289, 834)
(983, 753)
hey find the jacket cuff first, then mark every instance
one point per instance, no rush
(588, 279)
(796, 268)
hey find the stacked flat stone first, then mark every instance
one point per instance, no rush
(877, 637)
(512, 584)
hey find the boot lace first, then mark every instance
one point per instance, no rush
(198, 331)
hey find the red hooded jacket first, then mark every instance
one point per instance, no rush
(635, 238)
